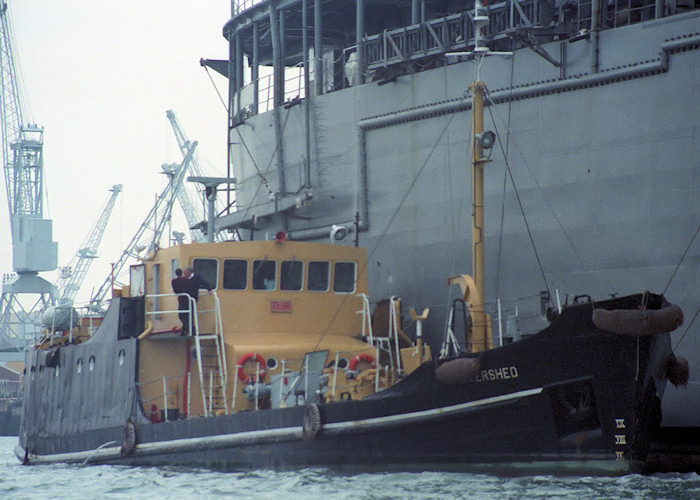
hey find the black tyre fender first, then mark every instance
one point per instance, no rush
(128, 438)
(312, 422)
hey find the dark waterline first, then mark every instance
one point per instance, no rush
(100, 481)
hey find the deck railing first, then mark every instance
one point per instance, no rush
(417, 43)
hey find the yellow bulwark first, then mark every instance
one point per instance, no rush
(270, 304)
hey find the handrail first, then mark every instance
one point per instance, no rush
(394, 330)
(366, 317)
(195, 332)
(193, 313)
(239, 6)
(450, 33)
(194, 310)
(219, 332)
(164, 395)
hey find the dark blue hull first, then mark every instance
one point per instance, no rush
(571, 393)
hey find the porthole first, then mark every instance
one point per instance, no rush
(33, 369)
(91, 363)
(79, 365)
(41, 369)
(271, 363)
(121, 357)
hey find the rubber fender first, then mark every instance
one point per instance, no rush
(312, 422)
(458, 371)
(638, 321)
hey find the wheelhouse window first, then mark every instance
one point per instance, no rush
(235, 274)
(208, 270)
(264, 274)
(317, 281)
(291, 275)
(344, 277)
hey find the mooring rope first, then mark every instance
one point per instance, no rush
(673, 275)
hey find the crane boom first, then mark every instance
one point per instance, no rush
(11, 106)
(74, 275)
(183, 197)
(148, 236)
(186, 204)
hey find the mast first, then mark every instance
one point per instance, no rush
(481, 331)
(480, 338)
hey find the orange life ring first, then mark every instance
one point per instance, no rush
(242, 375)
(361, 357)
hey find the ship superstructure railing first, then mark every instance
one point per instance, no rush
(511, 23)
(245, 98)
(434, 37)
(166, 395)
(318, 376)
(196, 317)
(240, 6)
(366, 313)
(381, 343)
(624, 12)
(159, 314)
(511, 318)
(519, 317)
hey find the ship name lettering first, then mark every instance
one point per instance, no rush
(503, 373)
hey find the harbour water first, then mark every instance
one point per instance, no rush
(104, 481)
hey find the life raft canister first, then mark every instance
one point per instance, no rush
(362, 357)
(242, 375)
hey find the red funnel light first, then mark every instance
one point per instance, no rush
(280, 236)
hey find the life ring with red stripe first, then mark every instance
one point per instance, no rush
(242, 375)
(362, 357)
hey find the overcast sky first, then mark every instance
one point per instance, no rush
(99, 77)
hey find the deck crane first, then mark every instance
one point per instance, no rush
(25, 294)
(183, 198)
(73, 275)
(147, 237)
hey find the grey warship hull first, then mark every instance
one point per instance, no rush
(599, 145)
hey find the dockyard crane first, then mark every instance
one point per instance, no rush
(148, 236)
(186, 204)
(183, 197)
(25, 294)
(73, 275)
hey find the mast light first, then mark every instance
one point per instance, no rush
(486, 139)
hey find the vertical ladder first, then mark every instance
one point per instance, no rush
(211, 361)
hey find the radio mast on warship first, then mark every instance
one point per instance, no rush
(24, 294)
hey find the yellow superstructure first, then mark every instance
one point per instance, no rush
(270, 304)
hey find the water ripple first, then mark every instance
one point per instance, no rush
(106, 481)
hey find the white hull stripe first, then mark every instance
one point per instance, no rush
(205, 443)
(418, 416)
